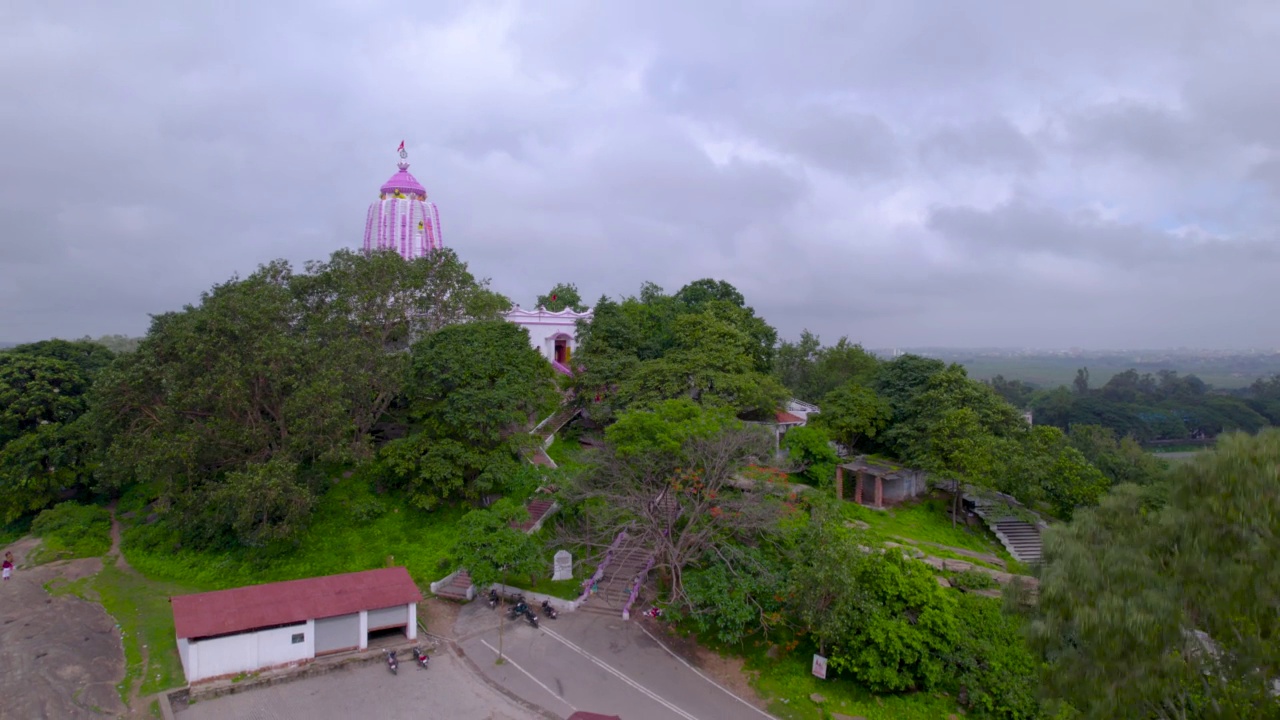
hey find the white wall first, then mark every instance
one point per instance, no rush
(247, 652)
(545, 327)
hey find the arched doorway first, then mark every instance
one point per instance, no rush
(562, 351)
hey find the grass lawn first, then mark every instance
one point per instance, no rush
(928, 521)
(353, 529)
(566, 453)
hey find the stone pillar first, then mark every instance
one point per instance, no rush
(839, 482)
(879, 492)
(857, 488)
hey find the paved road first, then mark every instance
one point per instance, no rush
(591, 662)
(447, 690)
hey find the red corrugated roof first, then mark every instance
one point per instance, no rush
(786, 417)
(257, 606)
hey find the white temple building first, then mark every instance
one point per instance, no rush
(554, 334)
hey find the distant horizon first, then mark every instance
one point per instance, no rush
(903, 349)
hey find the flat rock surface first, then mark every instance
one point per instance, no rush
(61, 656)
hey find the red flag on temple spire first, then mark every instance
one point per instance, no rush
(553, 298)
(401, 148)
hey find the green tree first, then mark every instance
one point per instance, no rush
(958, 448)
(489, 547)
(561, 296)
(852, 412)
(473, 392)
(1157, 608)
(809, 449)
(89, 356)
(1050, 468)
(710, 363)
(37, 390)
(811, 371)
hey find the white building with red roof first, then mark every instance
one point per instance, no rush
(247, 629)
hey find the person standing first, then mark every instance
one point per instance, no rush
(8, 564)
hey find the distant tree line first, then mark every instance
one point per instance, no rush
(1149, 407)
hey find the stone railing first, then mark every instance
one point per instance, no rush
(599, 573)
(635, 587)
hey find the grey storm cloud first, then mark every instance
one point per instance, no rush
(904, 173)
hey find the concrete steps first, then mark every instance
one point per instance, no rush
(538, 509)
(1020, 538)
(614, 589)
(456, 588)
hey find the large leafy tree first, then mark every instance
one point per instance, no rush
(37, 390)
(852, 412)
(87, 355)
(561, 296)
(1164, 609)
(664, 476)
(709, 364)
(491, 549)
(473, 390)
(811, 371)
(45, 449)
(267, 374)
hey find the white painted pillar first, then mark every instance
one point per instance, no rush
(364, 629)
(413, 621)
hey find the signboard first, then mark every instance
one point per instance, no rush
(820, 667)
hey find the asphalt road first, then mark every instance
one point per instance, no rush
(595, 663)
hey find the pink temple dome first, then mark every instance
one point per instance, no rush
(402, 218)
(403, 182)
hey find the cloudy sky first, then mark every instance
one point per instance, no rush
(1093, 174)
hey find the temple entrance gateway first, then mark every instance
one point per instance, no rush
(562, 350)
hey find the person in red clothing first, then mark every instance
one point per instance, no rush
(8, 565)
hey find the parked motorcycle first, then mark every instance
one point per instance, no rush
(548, 610)
(520, 608)
(392, 663)
(533, 619)
(421, 656)
(493, 598)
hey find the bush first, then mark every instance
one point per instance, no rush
(71, 530)
(973, 580)
(991, 666)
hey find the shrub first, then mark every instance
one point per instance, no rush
(973, 580)
(990, 666)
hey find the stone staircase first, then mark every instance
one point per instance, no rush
(614, 588)
(1019, 537)
(457, 587)
(554, 422)
(538, 509)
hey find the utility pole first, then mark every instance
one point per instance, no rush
(502, 619)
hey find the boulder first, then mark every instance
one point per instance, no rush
(817, 698)
(957, 565)
(942, 581)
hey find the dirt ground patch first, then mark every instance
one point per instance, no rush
(438, 615)
(727, 671)
(62, 655)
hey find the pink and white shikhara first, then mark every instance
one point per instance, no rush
(402, 218)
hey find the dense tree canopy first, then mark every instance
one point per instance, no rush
(561, 296)
(701, 344)
(474, 390)
(268, 372)
(1167, 609)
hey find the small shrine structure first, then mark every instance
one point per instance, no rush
(553, 333)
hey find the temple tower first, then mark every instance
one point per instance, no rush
(402, 218)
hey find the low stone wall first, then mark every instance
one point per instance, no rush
(535, 598)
